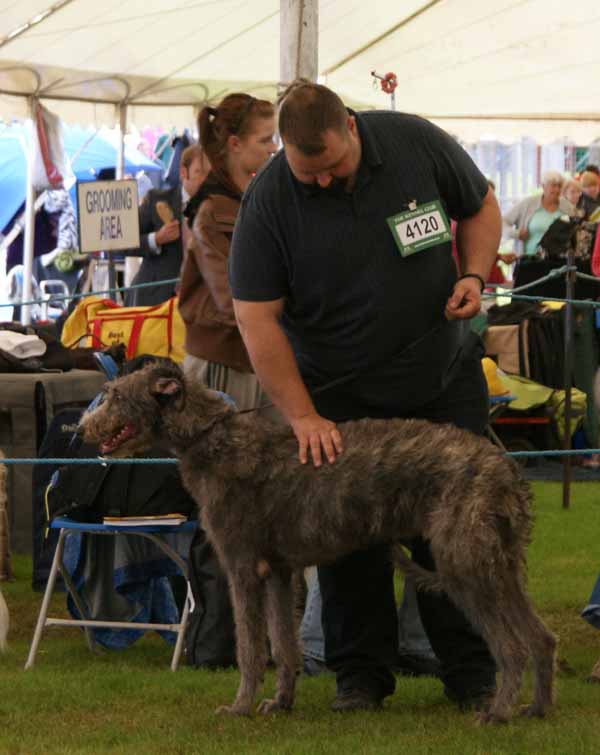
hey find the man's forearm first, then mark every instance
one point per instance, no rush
(478, 238)
(275, 366)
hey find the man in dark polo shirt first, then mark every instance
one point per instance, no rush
(341, 267)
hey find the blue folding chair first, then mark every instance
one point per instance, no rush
(498, 404)
(153, 533)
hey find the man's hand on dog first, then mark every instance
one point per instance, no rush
(318, 434)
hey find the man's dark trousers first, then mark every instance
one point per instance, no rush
(359, 610)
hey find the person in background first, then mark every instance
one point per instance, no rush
(530, 218)
(589, 202)
(238, 138)
(160, 231)
(67, 242)
(571, 191)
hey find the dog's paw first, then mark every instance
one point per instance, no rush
(232, 710)
(532, 711)
(486, 718)
(592, 679)
(272, 706)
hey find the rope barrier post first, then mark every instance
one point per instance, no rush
(568, 376)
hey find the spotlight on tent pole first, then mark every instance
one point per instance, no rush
(388, 83)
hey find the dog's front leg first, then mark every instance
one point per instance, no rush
(284, 642)
(247, 596)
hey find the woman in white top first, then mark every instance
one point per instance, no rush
(529, 220)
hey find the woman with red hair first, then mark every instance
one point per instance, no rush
(238, 138)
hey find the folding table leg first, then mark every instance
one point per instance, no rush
(493, 436)
(182, 626)
(41, 622)
(72, 590)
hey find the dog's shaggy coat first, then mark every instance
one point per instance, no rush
(267, 515)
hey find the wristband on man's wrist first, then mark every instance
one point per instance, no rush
(473, 275)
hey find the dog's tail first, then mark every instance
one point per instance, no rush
(3, 622)
(424, 579)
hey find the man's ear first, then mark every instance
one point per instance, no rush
(168, 390)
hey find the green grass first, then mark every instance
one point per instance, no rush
(75, 701)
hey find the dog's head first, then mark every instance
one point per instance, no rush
(128, 416)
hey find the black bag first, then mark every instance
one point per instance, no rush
(558, 238)
(209, 640)
(55, 445)
(546, 348)
(88, 493)
(566, 234)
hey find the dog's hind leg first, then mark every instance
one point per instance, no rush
(485, 607)
(3, 622)
(503, 613)
(247, 597)
(542, 644)
(284, 643)
(510, 654)
(518, 634)
(594, 677)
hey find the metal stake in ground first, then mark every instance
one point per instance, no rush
(568, 375)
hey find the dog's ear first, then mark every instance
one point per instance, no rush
(167, 390)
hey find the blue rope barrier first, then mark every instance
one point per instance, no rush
(109, 460)
(96, 460)
(525, 297)
(572, 452)
(587, 277)
(64, 297)
(509, 293)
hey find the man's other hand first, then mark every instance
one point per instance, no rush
(169, 232)
(465, 301)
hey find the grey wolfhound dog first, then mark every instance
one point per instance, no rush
(267, 515)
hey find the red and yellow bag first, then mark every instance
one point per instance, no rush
(157, 330)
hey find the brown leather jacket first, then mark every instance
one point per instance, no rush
(205, 301)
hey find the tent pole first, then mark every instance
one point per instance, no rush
(119, 173)
(299, 40)
(132, 264)
(29, 225)
(120, 166)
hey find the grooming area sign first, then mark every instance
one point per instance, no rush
(108, 215)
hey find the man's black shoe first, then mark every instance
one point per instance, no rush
(417, 665)
(356, 699)
(473, 699)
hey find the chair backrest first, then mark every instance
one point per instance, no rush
(47, 289)
(14, 292)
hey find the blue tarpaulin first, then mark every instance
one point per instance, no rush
(88, 159)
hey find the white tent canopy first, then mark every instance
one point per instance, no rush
(504, 68)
